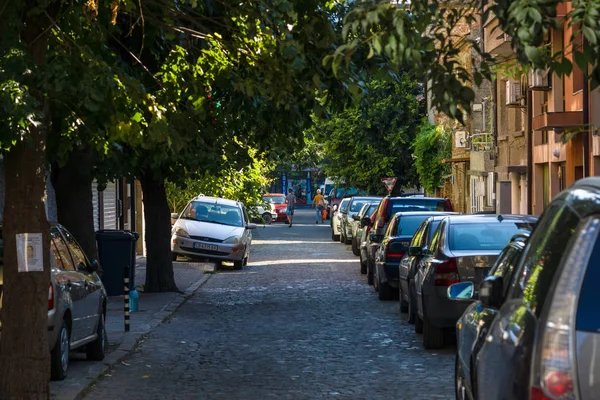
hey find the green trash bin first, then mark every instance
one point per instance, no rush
(116, 250)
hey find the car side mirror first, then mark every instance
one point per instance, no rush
(461, 291)
(366, 221)
(415, 251)
(250, 226)
(491, 292)
(94, 266)
(373, 237)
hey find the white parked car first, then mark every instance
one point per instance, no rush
(336, 220)
(215, 229)
(267, 213)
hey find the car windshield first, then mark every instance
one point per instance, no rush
(484, 235)
(418, 204)
(275, 199)
(409, 224)
(214, 213)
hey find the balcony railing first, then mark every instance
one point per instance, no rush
(481, 142)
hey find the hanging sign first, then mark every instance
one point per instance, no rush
(30, 256)
(389, 183)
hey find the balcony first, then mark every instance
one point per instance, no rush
(557, 120)
(482, 153)
(497, 43)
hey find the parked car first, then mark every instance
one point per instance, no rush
(387, 208)
(393, 247)
(267, 213)
(544, 341)
(408, 265)
(335, 196)
(347, 221)
(214, 229)
(278, 201)
(365, 226)
(76, 302)
(472, 328)
(463, 248)
(358, 228)
(336, 220)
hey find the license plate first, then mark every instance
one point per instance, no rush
(203, 246)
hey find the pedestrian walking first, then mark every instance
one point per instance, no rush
(290, 199)
(319, 203)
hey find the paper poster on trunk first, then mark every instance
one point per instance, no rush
(30, 252)
(389, 183)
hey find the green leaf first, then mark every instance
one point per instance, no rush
(590, 35)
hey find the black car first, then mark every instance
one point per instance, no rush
(408, 265)
(395, 243)
(544, 342)
(386, 210)
(472, 327)
(463, 248)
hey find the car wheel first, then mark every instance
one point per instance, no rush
(267, 218)
(355, 249)
(403, 304)
(246, 261)
(433, 337)
(363, 265)
(370, 279)
(342, 238)
(385, 290)
(238, 264)
(347, 241)
(173, 256)
(334, 237)
(95, 350)
(59, 356)
(418, 324)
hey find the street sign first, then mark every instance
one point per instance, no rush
(389, 183)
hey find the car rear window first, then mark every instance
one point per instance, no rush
(587, 311)
(482, 236)
(418, 204)
(409, 224)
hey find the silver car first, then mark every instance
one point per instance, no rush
(76, 302)
(348, 223)
(215, 229)
(336, 220)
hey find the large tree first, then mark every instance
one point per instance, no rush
(363, 144)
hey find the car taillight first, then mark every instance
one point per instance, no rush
(51, 297)
(393, 250)
(552, 375)
(446, 273)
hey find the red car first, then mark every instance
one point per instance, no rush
(278, 201)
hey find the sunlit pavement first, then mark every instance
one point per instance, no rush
(299, 322)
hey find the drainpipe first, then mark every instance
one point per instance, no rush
(586, 122)
(529, 152)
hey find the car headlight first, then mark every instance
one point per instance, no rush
(232, 240)
(181, 232)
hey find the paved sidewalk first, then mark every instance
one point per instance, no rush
(154, 308)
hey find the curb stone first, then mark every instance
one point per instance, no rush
(128, 344)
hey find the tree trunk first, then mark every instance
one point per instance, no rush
(159, 264)
(24, 351)
(73, 187)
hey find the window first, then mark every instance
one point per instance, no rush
(505, 266)
(562, 176)
(589, 297)
(408, 224)
(275, 199)
(543, 254)
(483, 236)
(417, 240)
(78, 255)
(435, 240)
(545, 185)
(63, 251)
(391, 228)
(213, 213)
(544, 137)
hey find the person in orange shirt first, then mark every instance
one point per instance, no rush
(319, 202)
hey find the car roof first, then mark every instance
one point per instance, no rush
(440, 214)
(419, 198)
(274, 194)
(366, 197)
(217, 200)
(481, 218)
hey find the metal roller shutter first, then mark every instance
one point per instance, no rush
(110, 206)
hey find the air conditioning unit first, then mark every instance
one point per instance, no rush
(538, 80)
(513, 94)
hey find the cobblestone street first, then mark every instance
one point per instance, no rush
(299, 322)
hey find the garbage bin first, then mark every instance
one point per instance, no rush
(116, 250)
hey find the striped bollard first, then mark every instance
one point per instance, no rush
(126, 298)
